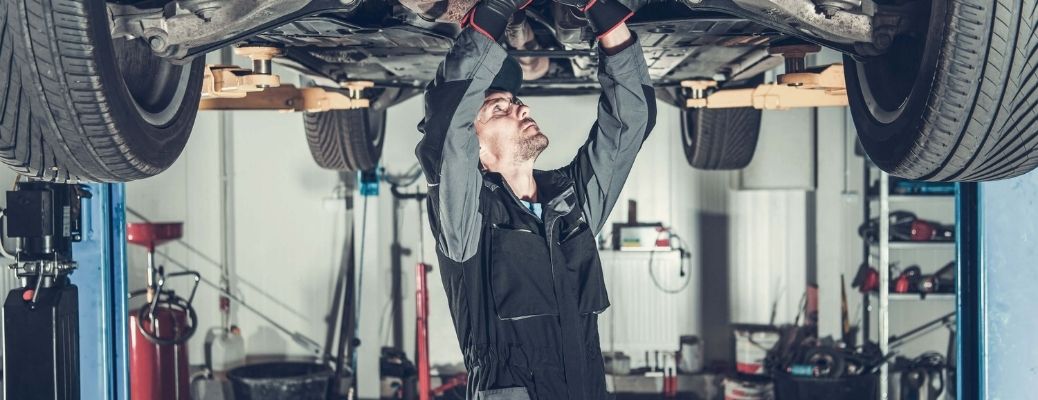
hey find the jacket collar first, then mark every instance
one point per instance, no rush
(552, 186)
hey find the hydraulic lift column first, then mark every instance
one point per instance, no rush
(41, 318)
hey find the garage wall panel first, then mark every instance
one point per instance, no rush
(187, 192)
(768, 255)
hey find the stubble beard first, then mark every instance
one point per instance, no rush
(529, 148)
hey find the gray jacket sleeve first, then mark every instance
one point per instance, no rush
(449, 150)
(626, 115)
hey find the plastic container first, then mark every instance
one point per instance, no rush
(280, 381)
(857, 387)
(752, 343)
(224, 350)
(740, 389)
(690, 355)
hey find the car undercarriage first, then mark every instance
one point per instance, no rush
(939, 90)
(400, 44)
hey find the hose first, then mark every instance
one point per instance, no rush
(172, 302)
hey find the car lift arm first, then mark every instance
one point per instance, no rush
(817, 87)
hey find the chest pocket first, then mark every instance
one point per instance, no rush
(521, 275)
(578, 246)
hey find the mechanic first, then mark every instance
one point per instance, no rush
(517, 249)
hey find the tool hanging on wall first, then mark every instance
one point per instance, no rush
(673, 241)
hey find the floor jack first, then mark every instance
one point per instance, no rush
(41, 318)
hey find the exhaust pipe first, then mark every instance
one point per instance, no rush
(519, 35)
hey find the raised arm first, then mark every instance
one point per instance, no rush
(626, 115)
(449, 150)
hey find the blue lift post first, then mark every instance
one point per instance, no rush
(968, 306)
(998, 291)
(102, 280)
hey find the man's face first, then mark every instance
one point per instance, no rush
(506, 131)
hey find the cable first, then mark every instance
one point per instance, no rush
(383, 334)
(407, 178)
(421, 230)
(800, 310)
(681, 262)
(3, 250)
(360, 279)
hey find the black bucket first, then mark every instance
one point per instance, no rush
(281, 380)
(857, 387)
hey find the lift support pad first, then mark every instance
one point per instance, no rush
(230, 87)
(816, 87)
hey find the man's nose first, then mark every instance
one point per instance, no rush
(522, 111)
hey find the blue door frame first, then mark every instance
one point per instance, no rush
(102, 280)
(969, 277)
(998, 289)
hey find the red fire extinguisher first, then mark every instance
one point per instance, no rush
(160, 329)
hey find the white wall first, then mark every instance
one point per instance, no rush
(285, 243)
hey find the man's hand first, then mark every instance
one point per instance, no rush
(604, 16)
(490, 17)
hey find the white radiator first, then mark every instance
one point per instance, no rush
(643, 317)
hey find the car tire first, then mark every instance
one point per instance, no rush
(15, 116)
(720, 138)
(954, 100)
(351, 140)
(105, 109)
(346, 140)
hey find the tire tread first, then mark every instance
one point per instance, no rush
(341, 139)
(61, 67)
(980, 122)
(720, 139)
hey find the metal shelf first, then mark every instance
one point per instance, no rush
(918, 245)
(880, 203)
(915, 197)
(918, 297)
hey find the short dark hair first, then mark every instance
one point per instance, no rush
(509, 78)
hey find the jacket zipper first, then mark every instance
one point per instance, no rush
(551, 257)
(517, 201)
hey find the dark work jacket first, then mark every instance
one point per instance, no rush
(525, 292)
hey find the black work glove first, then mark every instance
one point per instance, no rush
(490, 17)
(602, 15)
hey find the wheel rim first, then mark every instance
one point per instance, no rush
(889, 81)
(157, 87)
